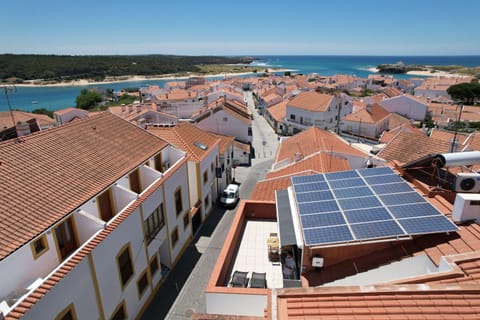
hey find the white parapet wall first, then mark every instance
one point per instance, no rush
(236, 304)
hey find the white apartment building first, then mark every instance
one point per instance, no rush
(316, 109)
(92, 212)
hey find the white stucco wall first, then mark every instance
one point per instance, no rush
(19, 269)
(105, 262)
(226, 124)
(405, 106)
(77, 288)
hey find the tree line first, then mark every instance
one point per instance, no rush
(63, 67)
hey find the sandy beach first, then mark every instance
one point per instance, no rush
(85, 82)
(437, 73)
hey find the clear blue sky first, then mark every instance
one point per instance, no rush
(248, 27)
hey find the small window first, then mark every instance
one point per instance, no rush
(125, 265)
(154, 223)
(249, 131)
(178, 201)
(205, 176)
(475, 202)
(142, 284)
(186, 221)
(39, 246)
(120, 312)
(211, 167)
(154, 265)
(67, 314)
(174, 237)
(292, 117)
(225, 119)
(206, 202)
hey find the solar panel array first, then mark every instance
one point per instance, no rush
(363, 205)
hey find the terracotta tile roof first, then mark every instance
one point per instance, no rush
(184, 136)
(409, 146)
(380, 302)
(396, 120)
(265, 190)
(376, 114)
(280, 179)
(278, 111)
(225, 141)
(392, 91)
(6, 119)
(387, 136)
(311, 141)
(46, 175)
(311, 101)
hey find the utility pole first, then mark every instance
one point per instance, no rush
(5, 90)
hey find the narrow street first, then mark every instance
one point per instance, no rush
(182, 294)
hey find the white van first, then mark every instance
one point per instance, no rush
(230, 195)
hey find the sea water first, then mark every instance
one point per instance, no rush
(55, 98)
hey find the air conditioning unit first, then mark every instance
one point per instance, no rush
(467, 182)
(466, 207)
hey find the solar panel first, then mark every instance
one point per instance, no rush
(341, 175)
(383, 179)
(401, 198)
(307, 179)
(391, 188)
(352, 192)
(327, 235)
(413, 210)
(367, 172)
(358, 203)
(377, 229)
(423, 225)
(367, 215)
(309, 187)
(314, 196)
(317, 207)
(364, 204)
(347, 183)
(323, 219)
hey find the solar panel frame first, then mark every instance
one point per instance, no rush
(361, 205)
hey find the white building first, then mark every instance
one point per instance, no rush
(226, 117)
(316, 109)
(203, 153)
(406, 105)
(90, 217)
(368, 122)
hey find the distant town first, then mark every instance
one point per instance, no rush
(370, 182)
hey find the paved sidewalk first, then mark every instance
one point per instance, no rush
(183, 292)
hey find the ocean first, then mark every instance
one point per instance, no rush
(55, 98)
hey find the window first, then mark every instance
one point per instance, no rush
(249, 131)
(292, 117)
(206, 202)
(157, 161)
(39, 247)
(211, 167)
(186, 221)
(154, 265)
(205, 176)
(125, 265)
(178, 200)
(67, 314)
(154, 223)
(134, 179)
(225, 119)
(142, 284)
(120, 312)
(174, 237)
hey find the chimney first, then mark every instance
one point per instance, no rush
(297, 156)
(139, 108)
(23, 128)
(130, 108)
(369, 108)
(123, 107)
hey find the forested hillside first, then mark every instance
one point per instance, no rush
(61, 68)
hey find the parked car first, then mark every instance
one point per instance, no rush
(230, 196)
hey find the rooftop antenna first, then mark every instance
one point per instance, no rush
(452, 147)
(6, 89)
